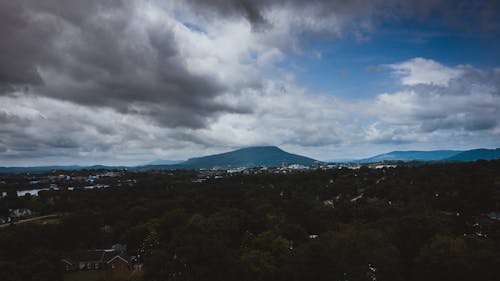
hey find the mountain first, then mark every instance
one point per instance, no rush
(272, 156)
(476, 154)
(260, 156)
(411, 155)
(164, 162)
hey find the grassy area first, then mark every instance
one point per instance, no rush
(89, 275)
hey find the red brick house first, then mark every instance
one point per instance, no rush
(118, 262)
(95, 259)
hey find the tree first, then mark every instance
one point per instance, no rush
(351, 254)
(448, 257)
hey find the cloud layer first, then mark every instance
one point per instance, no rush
(124, 82)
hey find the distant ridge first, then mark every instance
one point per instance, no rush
(412, 155)
(39, 169)
(476, 154)
(272, 156)
(436, 155)
(259, 156)
(164, 162)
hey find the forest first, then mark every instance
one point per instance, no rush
(411, 222)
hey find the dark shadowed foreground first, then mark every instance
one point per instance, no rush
(429, 222)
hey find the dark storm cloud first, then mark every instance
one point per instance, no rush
(254, 10)
(29, 28)
(251, 9)
(465, 14)
(88, 52)
(93, 53)
(18, 51)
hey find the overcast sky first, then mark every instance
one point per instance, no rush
(127, 82)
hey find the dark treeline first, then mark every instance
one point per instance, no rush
(408, 223)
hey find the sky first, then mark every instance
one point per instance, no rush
(127, 82)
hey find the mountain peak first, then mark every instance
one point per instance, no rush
(255, 156)
(261, 148)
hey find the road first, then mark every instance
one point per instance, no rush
(30, 220)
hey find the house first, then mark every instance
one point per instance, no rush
(118, 263)
(4, 219)
(20, 213)
(96, 259)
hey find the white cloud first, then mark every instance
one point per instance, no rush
(425, 71)
(464, 112)
(460, 102)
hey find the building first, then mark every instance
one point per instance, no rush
(5, 219)
(96, 259)
(20, 213)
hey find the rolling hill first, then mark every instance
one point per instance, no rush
(476, 154)
(164, 162)
(272, 156)
(412, 155)
(260, 156)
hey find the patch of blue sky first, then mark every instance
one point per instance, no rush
(354, 69)
(194, 27)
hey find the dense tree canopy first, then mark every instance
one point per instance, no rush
(424, 222)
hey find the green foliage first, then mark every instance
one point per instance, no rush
(448, 257)
(349, 254)
(411, 223)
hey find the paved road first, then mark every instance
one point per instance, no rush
(30, 220)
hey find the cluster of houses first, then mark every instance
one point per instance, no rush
(65, 182)
(15, 215)
(115, 258)
(219, 172)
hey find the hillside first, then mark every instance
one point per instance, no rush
(262, 156)
(164, 162)
(272, 156)
(476, 154)
(434, 155)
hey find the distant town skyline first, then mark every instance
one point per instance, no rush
(129, 82)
